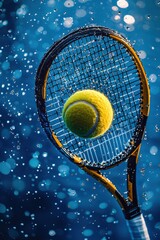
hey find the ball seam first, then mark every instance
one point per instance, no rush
(93, 128)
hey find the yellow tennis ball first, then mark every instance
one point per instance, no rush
(88, 113)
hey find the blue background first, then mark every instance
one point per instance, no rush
(42, 195)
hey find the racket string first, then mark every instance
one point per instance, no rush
(104, 65)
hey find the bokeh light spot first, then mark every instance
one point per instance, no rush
(5, 168)
(87, 232)
(72, 205)
(103, 205)
(18, 185)
(34, 162)
(17, 74)
(2, 208)
(63, 170)
(122, 4)
(52, 233)
(129, 19)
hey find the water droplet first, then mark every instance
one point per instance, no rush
(129, 19)
(122, 3)
(52, 233)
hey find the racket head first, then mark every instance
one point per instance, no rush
(101, 59)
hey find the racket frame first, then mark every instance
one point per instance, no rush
(129, 205)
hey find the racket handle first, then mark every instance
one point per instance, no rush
(137, 228)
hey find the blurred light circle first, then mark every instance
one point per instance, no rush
(11, 162)
(68, 22)
(26, 130)
(116, 17)
(72, 205)
(52, 233)
(71, 192)
(157, 225)
(142, 54)
(153, 150)
(17, 74)
(147, 205)
(115, 8)
(64, 170)
(5, 133)
(34, 162)
(61, 195)
(152, 78)
(5, 65)
(81, 13)
(129, 28)
(87, 232)
(110, 219)
(18, 184)
(122, 3)
(69, 3)
(13, 234)
(103, 205)
(140, 4)
(71, 215)
(5, 168)
(2, 208)
(129, 19)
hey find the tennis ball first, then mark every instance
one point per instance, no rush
(88, 113)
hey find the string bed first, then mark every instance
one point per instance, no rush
(103, 64)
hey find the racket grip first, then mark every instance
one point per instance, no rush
(137, 228)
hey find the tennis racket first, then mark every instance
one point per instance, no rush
(101, 59)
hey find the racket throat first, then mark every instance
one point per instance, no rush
(131, 177)
(131, 212)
